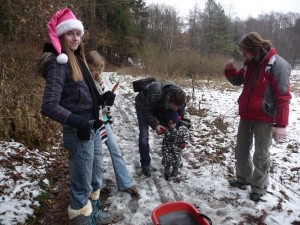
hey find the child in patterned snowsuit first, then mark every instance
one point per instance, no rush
(175, 139)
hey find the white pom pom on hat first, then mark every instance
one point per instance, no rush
(62, 58)
(63, 21)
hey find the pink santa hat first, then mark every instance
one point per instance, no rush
(63, 21)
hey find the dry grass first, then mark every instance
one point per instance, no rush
(21, 97)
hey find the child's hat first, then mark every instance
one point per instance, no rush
(63, 21)
(171, 115)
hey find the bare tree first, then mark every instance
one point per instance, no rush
(281, 29)
(164, 26)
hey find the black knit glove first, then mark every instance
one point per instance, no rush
(84, 131)
(97, 124)
(109, 98)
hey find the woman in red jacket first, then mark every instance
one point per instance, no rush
(263, 109)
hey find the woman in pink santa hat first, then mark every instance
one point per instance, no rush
(71, 98)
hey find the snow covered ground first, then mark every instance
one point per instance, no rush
(208, 163)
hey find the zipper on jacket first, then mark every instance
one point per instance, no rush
(250, 88)
(255, 77)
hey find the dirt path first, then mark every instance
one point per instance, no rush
(54, 207)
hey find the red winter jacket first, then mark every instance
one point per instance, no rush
(266, 89)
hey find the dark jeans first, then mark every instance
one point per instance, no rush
(143, 140)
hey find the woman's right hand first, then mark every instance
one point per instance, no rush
(229, 65)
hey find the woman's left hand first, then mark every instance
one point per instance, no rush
(278, 133)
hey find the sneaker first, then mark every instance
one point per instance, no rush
(133, 191)
(81, 219)
(255, 197)
(101, 217)
(235, 183)
(146, 171)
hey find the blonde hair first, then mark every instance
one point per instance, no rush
(75, 68)
(95, 61)
(255, 44)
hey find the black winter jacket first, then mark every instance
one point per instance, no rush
(153, 102)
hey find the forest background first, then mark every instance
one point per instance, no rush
(134, 38)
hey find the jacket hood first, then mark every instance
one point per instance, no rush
(48, 47)
(49, 52)
(264, 59)
(267, 58)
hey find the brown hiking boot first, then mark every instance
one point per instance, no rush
(235, 183)
(133, 191)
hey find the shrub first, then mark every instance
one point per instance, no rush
(183, 63)
(21, 91)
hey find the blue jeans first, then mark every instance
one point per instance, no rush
(122, 178)
(85, 165)
(143, 140)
